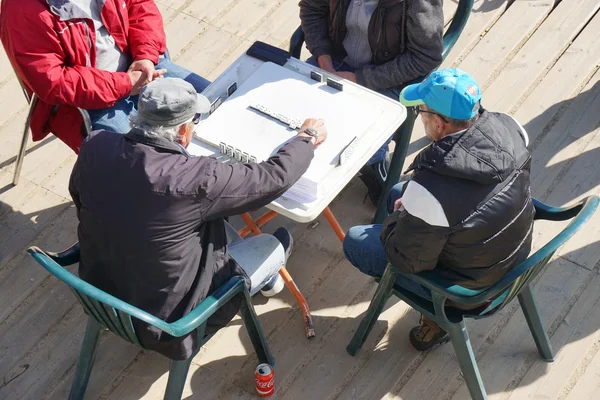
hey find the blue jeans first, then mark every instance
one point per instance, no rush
(392, 93)
(364, 250)
(261, 257)
(116, 118)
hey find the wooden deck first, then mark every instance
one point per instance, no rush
(534, 59)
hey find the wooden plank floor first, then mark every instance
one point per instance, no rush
(536, 59)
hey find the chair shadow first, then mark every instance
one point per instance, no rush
(537, 368)
(31, 149)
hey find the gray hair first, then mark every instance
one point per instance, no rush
(461, 124)
(170, 133)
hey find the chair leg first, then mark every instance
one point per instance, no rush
(21, 153)
(382, 294)
(535, 324)
(466, 360)
(259, 342)
(177, 374)
(86, 359)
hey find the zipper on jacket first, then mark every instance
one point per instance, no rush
(340, 29)
(88, 55)
(377, 43)
(385, 53)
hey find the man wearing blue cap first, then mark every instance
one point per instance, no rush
(466, 211)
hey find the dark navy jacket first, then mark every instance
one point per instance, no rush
(151, 225)
(467, 210)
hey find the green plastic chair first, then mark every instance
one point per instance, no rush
(108, 312)
(515, 283)
(404, 132)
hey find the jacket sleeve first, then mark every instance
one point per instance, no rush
(239, 188)
(39, 60)
(411, 244)
(147, 39)
(314, 18)
(424, 47)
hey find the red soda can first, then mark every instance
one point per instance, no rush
(265, 380)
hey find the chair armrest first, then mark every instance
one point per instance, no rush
(66, 257)
(447, 289)
(87, 121)
(550, 213)
(207, 307)
(78, 284)
(181, 327)
(583, 211)
(296, 42)
(457, 25)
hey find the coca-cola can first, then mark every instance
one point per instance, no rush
(265, 380)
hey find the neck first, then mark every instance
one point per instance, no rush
(452, 129)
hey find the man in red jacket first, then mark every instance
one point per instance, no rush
(90, 54)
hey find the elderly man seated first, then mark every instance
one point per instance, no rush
(95, 55)
(151, 217)
(466, 211)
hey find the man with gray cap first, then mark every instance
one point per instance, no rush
(151, 217)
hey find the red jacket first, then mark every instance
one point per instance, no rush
(53, 51)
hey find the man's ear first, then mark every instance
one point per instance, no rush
(182, 130)
(185, 134)
(439, 121)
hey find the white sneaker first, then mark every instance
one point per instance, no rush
(274, 286)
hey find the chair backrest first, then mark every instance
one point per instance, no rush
(33, 101)
(528, 270)
(115, 317)
(116, 321)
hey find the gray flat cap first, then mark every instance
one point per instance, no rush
(170, 102)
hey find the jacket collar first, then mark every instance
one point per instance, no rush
(156, 141)
(68, 10)
(484, 153)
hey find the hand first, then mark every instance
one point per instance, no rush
(325, 62)
(146, 67)
(137, 82)
(319, 126)
(351, 76)
(397, 205)
(158, 73)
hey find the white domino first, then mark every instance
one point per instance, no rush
(292, 123)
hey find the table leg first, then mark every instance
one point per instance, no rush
(254, 226)
(309, 328)
(334, 224)
(250, 224)
(283, 272)
(402, 139)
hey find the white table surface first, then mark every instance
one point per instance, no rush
(392, 117)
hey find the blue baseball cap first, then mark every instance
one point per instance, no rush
(450, 92)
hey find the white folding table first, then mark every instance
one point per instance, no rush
(367, 144)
